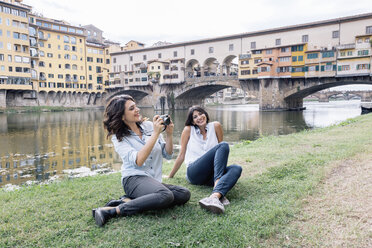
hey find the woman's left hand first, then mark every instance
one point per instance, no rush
(170, 127)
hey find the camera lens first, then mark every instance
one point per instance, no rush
(166, 119)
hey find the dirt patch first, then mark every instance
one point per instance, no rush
(340, 213)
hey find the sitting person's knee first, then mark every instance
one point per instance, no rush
(237, 169)
(224, 145)
(186, 194)
(166, 197)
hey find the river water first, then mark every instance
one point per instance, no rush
(38, 147)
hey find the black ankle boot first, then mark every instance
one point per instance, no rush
(102, 215)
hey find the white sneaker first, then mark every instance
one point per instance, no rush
(224, 201)
(212, 204)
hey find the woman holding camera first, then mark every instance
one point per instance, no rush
(141, 147)
(206, 155)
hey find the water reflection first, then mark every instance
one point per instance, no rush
(41, 146)
(38, 146)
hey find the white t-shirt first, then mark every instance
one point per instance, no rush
(197, 147)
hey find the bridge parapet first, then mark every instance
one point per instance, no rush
(211, 78)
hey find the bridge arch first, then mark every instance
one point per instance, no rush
(293, 91)
(193, 68)
(211, 66)
(315, 87)
(195, 93)
(229, 67)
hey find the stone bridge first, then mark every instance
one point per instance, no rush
(288, 93)
(365, 96)
(177, 96)
(273, 93)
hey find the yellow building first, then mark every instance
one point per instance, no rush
(133, 45)
(57, 56)
(248, 64)
(245, 66)
(43, 55)
(98, 64)
(298, 60)
(14, 46)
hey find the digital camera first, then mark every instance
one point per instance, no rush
(166, 119)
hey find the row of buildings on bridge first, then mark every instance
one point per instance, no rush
(304, 60)
(42, 55)
(331, 48)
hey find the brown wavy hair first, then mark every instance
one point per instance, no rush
(113, 117)
(189, 118)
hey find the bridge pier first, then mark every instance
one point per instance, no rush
(366, 97)
(2, 98)
(272, 96)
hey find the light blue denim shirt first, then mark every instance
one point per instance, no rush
(129, 147)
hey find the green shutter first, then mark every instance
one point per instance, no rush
(334, 67)
(339, 68)
(322, 67)
(317, 68)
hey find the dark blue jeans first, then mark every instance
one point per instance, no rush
(213, 166)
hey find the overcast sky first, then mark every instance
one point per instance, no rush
(149, 21)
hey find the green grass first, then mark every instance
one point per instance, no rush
(278, 172)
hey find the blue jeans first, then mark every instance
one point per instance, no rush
(213, 166)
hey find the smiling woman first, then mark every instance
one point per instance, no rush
(206, 155)
(141, 147)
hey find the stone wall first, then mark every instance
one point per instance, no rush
(2, 98)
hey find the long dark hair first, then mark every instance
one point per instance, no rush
(113, 117)
(189, 118)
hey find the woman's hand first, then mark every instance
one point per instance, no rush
(158, 124)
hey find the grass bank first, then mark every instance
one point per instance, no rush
(278, 173)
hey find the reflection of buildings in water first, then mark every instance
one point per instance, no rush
(279, 123)
(237, 124)
(39, 146)
(240, 122)
(3, 124)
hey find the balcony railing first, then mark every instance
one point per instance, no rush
(346, 46)
(43, 38)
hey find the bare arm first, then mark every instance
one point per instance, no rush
(219, 131)
(169, 138)
(181, 156)
(143, 154)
